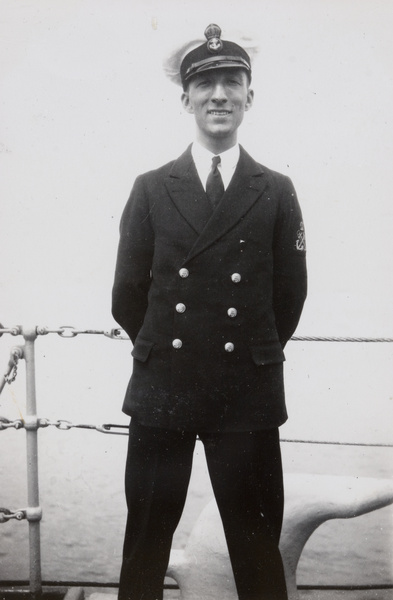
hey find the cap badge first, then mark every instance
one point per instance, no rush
(212, 34)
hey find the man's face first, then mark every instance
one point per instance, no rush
(218, 99)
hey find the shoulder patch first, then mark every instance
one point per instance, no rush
(300, 243)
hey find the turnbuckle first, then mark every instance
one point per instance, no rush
(67, 331)
(6, 515)
(32, 513)
(7, 424)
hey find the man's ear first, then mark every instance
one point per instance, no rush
(185, 100)
(250, 99)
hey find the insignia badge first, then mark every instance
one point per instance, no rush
(212, 34)
(301, 238)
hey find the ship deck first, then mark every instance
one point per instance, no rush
(91, 593)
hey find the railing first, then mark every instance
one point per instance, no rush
(31, 423)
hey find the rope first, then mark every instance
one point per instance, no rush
(9, 585)
(341, 339)
(67, 331)
(65, 425)
(337, 443)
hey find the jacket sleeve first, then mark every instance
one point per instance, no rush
(134, 262)
(290, 274)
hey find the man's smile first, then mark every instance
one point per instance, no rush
(219, 113)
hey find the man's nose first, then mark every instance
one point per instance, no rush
(219, 93)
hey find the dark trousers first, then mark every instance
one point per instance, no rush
(246, 475)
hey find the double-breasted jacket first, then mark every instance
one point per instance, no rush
(209, 298)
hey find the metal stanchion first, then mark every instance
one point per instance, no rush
(31, 425)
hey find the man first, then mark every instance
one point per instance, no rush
(210, 283)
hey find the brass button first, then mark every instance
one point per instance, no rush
(236, 277)
(177, 344)
(232, 312)
(180, 308)
(229, 347)
(184, 273)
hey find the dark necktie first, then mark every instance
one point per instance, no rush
(214, 185)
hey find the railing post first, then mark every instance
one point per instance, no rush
(31, 425)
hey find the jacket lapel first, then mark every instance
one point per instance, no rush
(187, 193)
(247, 184)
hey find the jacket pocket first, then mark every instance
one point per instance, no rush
(269, 353)
(142, 349)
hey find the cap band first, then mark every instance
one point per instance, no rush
(214, 62)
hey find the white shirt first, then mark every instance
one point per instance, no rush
(203, 162)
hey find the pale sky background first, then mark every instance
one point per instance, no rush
(85, 107)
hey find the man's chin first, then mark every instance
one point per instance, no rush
(220, 131)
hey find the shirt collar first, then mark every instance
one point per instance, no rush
(203, 160)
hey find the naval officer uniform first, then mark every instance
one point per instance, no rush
(209, 296)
